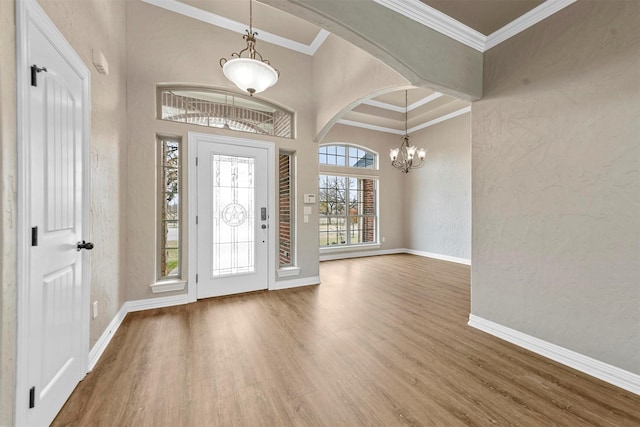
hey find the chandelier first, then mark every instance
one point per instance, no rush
(404, 157)
(252, 73)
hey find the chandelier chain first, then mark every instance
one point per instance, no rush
(406, 111)
(407, 156)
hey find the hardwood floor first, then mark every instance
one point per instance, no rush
(383, 341)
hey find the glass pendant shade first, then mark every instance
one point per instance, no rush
(250, 75)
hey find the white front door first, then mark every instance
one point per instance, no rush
(56, 359)
(232, 228)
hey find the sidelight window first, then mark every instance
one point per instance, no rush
(169, 218)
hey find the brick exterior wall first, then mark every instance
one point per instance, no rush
(369, 226)
(284, 212)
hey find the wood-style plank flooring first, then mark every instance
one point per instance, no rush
(383, 341)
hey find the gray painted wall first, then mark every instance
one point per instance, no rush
(556, 176)
(437, 198)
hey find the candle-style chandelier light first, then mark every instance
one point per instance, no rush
(404, 157)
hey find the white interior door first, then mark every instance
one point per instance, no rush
(55, 316)
(232, 228)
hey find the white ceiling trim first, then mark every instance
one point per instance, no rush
(397, 109)
(527, 20)
(411, 130)
(441, 119)
(238, 27)
(436, 20)
(444, 24)
(369, 126)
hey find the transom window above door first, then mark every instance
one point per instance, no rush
(221, 109)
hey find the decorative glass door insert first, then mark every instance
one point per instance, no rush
(233, 215)
(232, 220)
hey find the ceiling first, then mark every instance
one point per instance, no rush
(385, 113)
(484, 16)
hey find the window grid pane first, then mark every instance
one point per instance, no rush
(347, 207)
(347, 156)
(225, 110)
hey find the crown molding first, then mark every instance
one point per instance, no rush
(317, 42)
(436, 20)
(441, 119)
(527, 20)
(393, 131)
(238, 27)
(412, 9)
(353, 123)
(444, 24)
(397, 109)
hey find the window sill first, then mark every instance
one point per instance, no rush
(289, 271)
(333, 249)
(168, 286)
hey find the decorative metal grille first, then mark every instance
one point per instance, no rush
(225, 110)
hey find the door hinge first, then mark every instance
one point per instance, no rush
(34, 236)
(196, 219)
(32, 397)
(196, 278)
(196, 161)
(34, 74)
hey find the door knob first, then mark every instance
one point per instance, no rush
(85, 245)
(264, 226)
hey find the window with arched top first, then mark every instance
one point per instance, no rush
(222, 109)
(347, 197)
(347, 155)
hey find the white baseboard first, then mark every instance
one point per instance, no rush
(129, 306)
(609, 373)
(148, 304)
(464, 261)
(295, 283)
(357, 254)
(105, 338)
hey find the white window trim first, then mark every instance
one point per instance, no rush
(289, 271)
(159, 193)
(168, 285)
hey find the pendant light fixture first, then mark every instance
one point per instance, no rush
(252, 73)
(404, 157)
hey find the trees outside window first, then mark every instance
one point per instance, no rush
(347, 201)
(169, 218)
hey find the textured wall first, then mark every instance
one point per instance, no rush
(87, 25)
(156, 41)
(7, 211)
(437, 202)
(342, 75)
(556, 175)
(390, 185)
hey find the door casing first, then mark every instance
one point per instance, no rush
(28, 12)
(193, 139)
